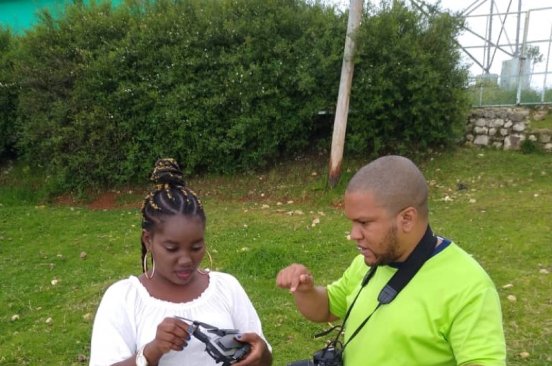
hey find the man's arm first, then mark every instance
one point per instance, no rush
(311, 300)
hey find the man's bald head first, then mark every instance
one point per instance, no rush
(396, 183)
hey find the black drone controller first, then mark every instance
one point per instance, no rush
(222, 348)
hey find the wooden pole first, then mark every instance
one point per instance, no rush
(342, 108)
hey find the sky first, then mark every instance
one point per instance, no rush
(538, 31)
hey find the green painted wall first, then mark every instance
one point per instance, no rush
(20, 15)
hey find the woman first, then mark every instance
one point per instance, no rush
(138, 320)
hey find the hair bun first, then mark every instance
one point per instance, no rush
(167, 171)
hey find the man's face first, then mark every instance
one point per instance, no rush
(373, 228)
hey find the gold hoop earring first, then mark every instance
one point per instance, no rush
(145, 265)
(207, 270)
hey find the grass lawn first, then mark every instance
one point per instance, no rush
(57, 259)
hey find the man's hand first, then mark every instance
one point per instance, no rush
(295, 277)
(311, 300)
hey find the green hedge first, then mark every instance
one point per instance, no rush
(8, 95)
(408, 94)
(222, 85)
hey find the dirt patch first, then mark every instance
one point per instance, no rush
(105, 201)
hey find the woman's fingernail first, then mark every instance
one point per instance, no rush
(239, 336)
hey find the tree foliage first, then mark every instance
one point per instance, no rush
(220, 85)
(8, 95)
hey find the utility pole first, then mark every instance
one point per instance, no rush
(342, 108)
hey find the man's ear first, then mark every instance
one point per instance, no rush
(147, 238)
(407, 219)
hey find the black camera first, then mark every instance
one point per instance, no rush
(331, 355)
(328, 356)
(223, 347)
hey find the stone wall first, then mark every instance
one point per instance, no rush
(506, 128)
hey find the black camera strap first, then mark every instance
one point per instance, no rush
(421, 253)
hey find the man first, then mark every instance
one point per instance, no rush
(447, 314)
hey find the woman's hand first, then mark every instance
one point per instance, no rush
(259, 355)
(172, 335)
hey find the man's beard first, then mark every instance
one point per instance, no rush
(391, 244)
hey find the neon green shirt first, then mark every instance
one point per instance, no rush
(449, 314)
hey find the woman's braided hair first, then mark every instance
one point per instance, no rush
(170, 196)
